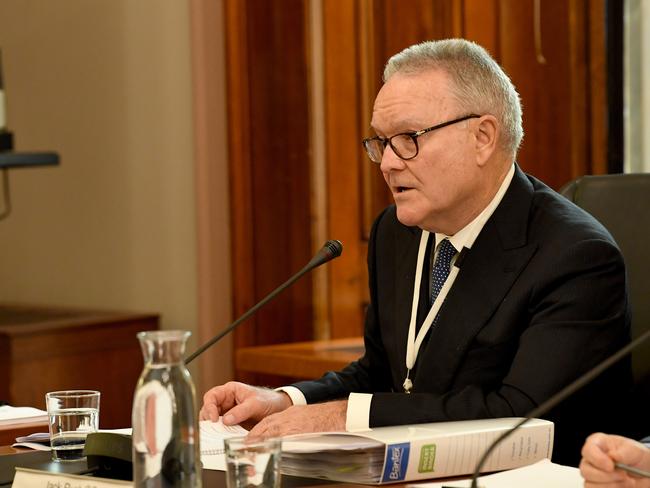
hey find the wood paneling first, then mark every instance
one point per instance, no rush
(269, 163)
(597, 85)
(240, 165)
(344, 154)
(480, 23)
(547, 146)
(555, 94)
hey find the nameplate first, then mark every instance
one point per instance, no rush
(33, 478)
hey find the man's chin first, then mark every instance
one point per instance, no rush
(408, 217)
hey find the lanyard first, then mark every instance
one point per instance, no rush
(413, 343)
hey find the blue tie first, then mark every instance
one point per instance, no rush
(441, 268)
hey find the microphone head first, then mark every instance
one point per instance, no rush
(330, 250)
(333, 247)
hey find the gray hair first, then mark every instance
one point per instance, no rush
(480, 84)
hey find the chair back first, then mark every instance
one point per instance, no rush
(621, 202)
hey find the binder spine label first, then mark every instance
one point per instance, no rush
(397, 460)
(427, 459)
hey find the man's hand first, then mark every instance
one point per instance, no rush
(319, 417)
(599, 454)
(238, 403)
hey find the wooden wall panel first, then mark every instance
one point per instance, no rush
(597, 84)
(237, 60)
(269, 164)
(554, 93)
(344, 157)
(279, 139)
(546, 146)
(480, 23)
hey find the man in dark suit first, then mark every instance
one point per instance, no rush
(489, 291)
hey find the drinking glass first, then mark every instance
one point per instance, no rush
(252, 464)
(72, 414)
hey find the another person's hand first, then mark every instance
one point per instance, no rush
(599, 454)
(239, 403)
(298, 419)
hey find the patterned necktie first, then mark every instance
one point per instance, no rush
(441, 268)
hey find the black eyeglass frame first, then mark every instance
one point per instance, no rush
(387, 141)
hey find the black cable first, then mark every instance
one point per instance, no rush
(7, 194)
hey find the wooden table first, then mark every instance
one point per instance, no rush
(8, 433)
(51, 348)
(304, 360)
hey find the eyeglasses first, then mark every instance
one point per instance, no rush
(405, 144)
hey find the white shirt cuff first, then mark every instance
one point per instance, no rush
(297, 398)
(357, 417)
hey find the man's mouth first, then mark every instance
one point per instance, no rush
(401, 189)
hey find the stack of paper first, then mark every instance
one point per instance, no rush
(334, 456)
(21, 415)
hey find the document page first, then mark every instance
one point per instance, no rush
(212, 436)
(542, 474)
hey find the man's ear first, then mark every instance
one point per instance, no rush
(487, 133)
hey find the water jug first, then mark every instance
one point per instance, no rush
(164, 418)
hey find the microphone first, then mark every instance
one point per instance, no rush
(330, 250)
(565, 392)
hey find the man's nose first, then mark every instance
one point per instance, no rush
(390, 161)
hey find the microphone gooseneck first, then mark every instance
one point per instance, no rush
(330, 250)
(560, 396)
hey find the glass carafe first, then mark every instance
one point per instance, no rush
(165, 424)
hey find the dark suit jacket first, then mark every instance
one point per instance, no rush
(540, 299)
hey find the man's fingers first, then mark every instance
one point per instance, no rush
(238, 403)
(218, 400)
(629, 452)
(223, 396)
(595, 452)
(593, 474)
(266, 428)
(241, 412)
(209, 412)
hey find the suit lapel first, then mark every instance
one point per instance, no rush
(489, 270)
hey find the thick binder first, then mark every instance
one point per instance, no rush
(415, 452)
